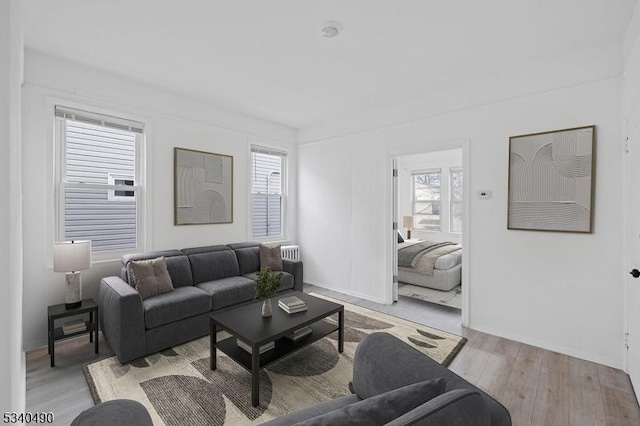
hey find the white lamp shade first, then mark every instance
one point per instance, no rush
(69, 256)
(407, 221)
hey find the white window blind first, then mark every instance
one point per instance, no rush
(99, 191)
(267, 192)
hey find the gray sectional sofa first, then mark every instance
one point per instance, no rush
(205, 279)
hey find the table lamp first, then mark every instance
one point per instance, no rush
(407, 221)
(71, 257)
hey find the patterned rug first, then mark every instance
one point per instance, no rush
(452, 298)
(178, 388)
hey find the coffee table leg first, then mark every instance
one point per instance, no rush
(341, 330)
(255, 375)
(213, 341)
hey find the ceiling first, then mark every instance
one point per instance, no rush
(267, 59)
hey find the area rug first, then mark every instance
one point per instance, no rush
(178, 388)
(452, 298)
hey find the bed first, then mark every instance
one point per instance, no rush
(429, 264)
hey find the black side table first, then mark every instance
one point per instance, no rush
(55, 312)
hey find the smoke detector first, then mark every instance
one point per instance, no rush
(331, 29)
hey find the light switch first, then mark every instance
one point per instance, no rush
(484, 195)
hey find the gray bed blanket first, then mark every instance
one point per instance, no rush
(406, 255)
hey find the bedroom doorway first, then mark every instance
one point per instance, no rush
(428, 205)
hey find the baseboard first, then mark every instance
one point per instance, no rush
(549, 346)
(22, 397)
(351, 293)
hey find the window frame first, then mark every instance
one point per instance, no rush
(414, 201)
(112, 177)
(453, 202)
(283, 195)
(141, 190)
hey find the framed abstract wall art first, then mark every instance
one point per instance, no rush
(203, 187)
(551, 180)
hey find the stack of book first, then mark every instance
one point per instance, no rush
(74, 326)
(300, 333)
(247, 347)
(292, 304)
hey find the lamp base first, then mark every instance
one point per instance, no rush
(72, 305)
(73, 293)
(408, 234)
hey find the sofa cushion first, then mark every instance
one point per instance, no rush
(312, 411)
(228, 291)
(456, 407)
(248, 255)
(177, 265)
(150, 277)
(285, 284)
(183, 302)
(271, 257)
(383, 408)
(213, 265)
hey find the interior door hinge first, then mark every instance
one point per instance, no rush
(626, 340)
(395, 172)
(395, 279)
(395, 226)
(626, 145)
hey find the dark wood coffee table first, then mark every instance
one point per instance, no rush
(246, 323)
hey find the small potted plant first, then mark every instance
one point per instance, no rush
(266, 286)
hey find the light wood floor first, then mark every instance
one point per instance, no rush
(537, 386)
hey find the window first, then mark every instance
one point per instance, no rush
(267, 192)
(426, 199)
(99, 180)
(455, 200)
(115, 195)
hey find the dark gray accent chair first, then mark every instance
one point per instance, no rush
(383, 363)
(205, 279)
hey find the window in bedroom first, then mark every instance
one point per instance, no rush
(99, 180)
(268, 177)
(455, 201)
(426, 199)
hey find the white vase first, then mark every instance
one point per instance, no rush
(266, 308)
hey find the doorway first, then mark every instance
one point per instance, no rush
(429, 245)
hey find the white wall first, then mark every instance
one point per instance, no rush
(12, 362)
(173, 122)
(555, 290)
(443, 160)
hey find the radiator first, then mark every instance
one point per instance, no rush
(290, 252)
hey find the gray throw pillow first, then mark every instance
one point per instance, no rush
(150, 277)
(381, 409)
(270, 257)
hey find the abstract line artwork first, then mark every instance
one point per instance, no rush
(203, 187)
(550, 180)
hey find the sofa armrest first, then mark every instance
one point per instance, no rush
(383, 362)
(456, 407)
(122, 318)
(295, 269)
(114, 413)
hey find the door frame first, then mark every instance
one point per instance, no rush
(391, 243)
(626, 244)
(630, 132)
